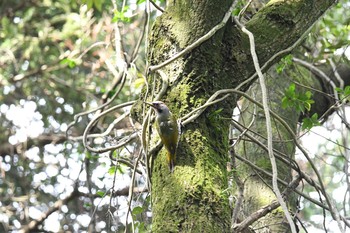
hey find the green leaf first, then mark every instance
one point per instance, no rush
(101, 193)
(307, 106)
(89, 3)
(310, 122)
(344, 94)
(292, 87)
(279, 68)
(339, 90)
(285, 102)
(347, 90)
(117, 168)
(308, 94)
(236, 11)
(148, 200)
(87, 205)
(112, 170)
(137, 210)
(120, 15)
(111, 93)
(287, 60)
(215, 114)
(290, 92)
(299, 101)
(142, 227)
(71, 63)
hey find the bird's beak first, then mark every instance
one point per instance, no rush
(150, 104)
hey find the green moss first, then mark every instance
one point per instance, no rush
(278, 211)
(264, 163)
(195, 200)
(197, 188)
(177, 95)
(264, 200)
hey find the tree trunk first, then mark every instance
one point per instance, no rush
(193, 198)
(257, 184)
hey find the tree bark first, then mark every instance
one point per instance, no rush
(193, 198)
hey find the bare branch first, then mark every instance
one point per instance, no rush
(264, 210)
(40, 141)
(33, 225)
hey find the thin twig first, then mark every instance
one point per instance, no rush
(131, 187)
(336, 74)
(121, 77)
(156, 6)
(139, 42)
(240, 186)
(301, 174)
(319, 73)
(238, 181)
(121, 142)
(244, 9)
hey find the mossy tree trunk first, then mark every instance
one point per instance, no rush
(256, 178)
(193, 199)
(257, 184)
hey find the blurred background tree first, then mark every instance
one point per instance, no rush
(62, 58)
(58, 59)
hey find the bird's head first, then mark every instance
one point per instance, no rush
(159, 107)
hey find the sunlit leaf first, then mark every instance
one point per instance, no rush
(137, 210)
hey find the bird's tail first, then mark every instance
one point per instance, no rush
(171, 161)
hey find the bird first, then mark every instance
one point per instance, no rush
(168, 130)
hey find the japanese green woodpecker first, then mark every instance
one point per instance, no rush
(168, 130)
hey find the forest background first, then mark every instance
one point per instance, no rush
(66, 66)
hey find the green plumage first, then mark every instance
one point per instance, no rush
(168, 131)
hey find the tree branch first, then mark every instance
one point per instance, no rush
(40, 141)
(264, 210)
(33, 225)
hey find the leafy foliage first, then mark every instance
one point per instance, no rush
(52, 67)
(310, 122)
(300, 101)
(344, 94)
(287, 60)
